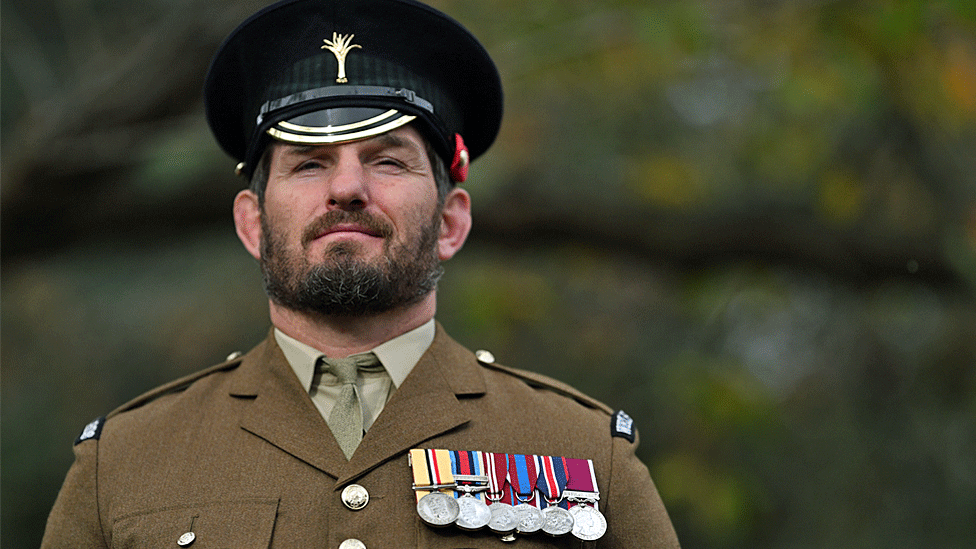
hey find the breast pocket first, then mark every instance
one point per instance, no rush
(243, 524)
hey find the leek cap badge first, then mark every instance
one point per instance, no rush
(340, 45)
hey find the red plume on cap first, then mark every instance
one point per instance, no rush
(459, 166)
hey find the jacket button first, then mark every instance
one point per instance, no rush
(352, 543)
(186, 539)
(355, 497)
(485, 356)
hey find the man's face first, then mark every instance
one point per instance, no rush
(351, 229)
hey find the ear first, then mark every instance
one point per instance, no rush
(247, 221)
(455, 223)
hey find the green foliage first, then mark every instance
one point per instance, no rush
(751, 225)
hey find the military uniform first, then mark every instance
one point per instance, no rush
(239, 456)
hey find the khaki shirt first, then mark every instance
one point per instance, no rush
(398, 357)
(240, 456)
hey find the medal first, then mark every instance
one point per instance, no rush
(588, 522)
(559, 521)
(438, 509)
(523, 474)
(551, 483)
(473, 513)
(530, 518)
(431, 473)
(503, 519)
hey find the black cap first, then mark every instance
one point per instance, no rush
(332, 71)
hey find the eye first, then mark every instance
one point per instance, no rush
(389, 163)
(309, 165)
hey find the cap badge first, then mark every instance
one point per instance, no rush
(340, 45)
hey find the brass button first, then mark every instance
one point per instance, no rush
(355, 497)
(352, 543)
(186, 539)
(485, 356)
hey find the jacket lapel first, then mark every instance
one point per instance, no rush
(282, 412)
(424, 406)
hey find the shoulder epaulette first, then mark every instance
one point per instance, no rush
(539, 380)
(176, 386)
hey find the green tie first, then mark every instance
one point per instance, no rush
(346, 418)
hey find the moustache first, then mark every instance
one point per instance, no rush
(336, 217)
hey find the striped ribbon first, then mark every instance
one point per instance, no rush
(523, 475)
(496, 466)
(467, 462)
(552, 479)
(430, 467)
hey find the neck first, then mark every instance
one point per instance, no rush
(341, 336)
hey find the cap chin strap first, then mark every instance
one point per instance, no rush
(327, 135)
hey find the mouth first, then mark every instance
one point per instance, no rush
(350, 228)
(346, 223)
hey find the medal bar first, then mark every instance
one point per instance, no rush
(554, 495)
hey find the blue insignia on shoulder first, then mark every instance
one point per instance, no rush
(91, 431)
(621, 425)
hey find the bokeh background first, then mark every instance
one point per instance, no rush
(750, 224)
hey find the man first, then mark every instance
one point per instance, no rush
(354, 121)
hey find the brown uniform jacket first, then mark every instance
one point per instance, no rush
(239, 455)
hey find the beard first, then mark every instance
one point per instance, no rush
(342, 284)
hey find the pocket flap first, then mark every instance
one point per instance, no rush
(239, 523)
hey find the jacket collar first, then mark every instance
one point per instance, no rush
(424, 406)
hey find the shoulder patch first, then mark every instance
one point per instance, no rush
(621, 425)
(92, 431)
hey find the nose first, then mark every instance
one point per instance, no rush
(347, 185)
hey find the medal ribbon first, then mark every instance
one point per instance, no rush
(580, 476)
(430, 467)
(466, 462)
(496, 466)
(552, 479)
(523, 475)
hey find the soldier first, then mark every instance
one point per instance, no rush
(358, 422)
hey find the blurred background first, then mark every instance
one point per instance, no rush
(764, 210)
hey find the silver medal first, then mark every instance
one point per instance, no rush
(530, 519)
(473, 513)
(438, 509)
(559, 521)
(503, 518)
(588, 523)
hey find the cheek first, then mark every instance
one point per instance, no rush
(419, 218)
(279, 223)
(408, 212)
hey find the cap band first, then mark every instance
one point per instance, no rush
(358, 92)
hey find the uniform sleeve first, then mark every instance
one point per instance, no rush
(635, 514)
(74, 521)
